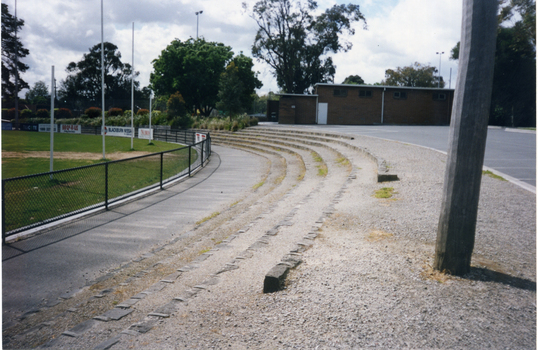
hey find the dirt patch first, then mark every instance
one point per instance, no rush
(72, 155)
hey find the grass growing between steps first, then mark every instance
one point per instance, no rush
(322, 167)
(215, 214)
(385, 192)
(258, 185)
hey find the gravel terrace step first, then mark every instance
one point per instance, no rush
(302, 220)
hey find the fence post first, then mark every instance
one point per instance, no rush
(162, 154)
(202, 148)
(3, 213)
(190, 161)
(106, 185)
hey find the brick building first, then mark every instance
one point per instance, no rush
(367, 104)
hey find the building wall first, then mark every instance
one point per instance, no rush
(297, 109)
(419, 107)
(362, 105)
(351, 108)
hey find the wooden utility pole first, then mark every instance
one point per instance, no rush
(467, 138)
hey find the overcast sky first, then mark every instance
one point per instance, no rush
(399, 33)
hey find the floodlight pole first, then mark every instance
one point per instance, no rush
(197, 16)
(132, 96)
(16, 69)
(440, 54)
(150, 133)
(103, 81)
(52, 121)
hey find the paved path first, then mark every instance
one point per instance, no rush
(38, 270)
(509, 151)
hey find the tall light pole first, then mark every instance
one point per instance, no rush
(132, 96)
(197, 16)
(440, 54)
(103, 80)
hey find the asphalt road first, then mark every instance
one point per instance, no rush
(509, 151)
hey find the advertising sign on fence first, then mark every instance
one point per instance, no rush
(46, 127)
(7, 125)
(200, 137)
(146, 134)
(121, 131)
(71, 129)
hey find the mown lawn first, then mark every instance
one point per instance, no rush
(26, 141)
(38, 198)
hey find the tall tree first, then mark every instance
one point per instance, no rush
(230, 91)
(416, 75)
(38, 94)
(295, 43)
(83, 84)
(193, 68)
(353, 79)
(12, 52)
(249, 79)
(513, 101)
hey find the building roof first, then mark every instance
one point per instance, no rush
(381, 86)
(303, 95)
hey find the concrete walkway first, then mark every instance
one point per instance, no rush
(36, 272)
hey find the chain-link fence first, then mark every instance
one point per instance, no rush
(35, 200)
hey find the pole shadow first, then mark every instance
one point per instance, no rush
(486, 275)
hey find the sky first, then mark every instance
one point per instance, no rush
(398, 33)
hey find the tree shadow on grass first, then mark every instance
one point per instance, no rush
(487, 275)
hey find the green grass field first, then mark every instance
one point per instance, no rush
(26, 141)
(38, 198)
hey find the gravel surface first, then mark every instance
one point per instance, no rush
(366, 279)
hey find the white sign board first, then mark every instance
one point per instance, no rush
(71, 129)
(146, 134)
(121, 131)
(46, 127)
(200, 137)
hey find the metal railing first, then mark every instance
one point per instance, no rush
(35, 200)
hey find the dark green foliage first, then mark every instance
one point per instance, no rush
(82, 87)
(93, 112)
(248, 78)
(177, 113)
(26, 113)
(353, 79)
(42, 113)
(63, 113)
(231, 91)
(192, 67)
(296, 44)
(112, 112)
(39, 94)
(416, 75)
(514, 81)
(12, 53)
(513, 99)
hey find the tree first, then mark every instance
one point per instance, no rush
(513, 101)
(83, 84)
(416, 75)
(12, 52)
(248, 78)
(39, 94)
(231, 91)
(295, 43)
(353, 79)
(192, 67)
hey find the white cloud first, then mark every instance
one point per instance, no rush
(399, 33)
